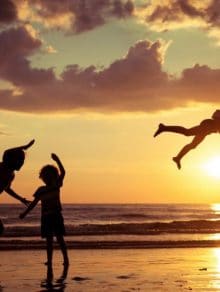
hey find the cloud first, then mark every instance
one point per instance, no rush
(15, 66)
(8, 12)
(135, 82)
(75, 16)
(78, 16)
(172, 14)
(201, 83)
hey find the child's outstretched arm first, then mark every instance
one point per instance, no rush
(29, 208)
(16, 196)
(60, 165)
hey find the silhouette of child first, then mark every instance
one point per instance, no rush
(12, 160)
(206, 127)
(52, 222)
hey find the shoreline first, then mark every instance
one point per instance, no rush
(40, 244)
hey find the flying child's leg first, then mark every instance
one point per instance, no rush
(196, 141)
(176, 129)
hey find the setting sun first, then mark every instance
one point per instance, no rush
(212, 167)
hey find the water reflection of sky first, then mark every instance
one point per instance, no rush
(216, 266)
(216, 208)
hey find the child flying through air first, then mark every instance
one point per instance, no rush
(12, 160)
(206, 127)
(52, 222)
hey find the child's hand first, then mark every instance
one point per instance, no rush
(54, 157)
(21, 216)
(26, 202)
(29, 144)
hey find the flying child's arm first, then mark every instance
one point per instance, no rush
(60, 165)
(9, 191)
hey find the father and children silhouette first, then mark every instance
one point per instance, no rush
(52, 222)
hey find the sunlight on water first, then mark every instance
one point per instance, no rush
(214, 269)
(216, 208)
(215, 236)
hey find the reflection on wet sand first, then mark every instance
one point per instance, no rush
(58, 285)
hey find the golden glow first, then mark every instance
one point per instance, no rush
(215, 236)
(217, 255)
(216, 208)
(212, 167)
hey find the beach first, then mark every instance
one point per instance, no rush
(143, 247)
(162, 269)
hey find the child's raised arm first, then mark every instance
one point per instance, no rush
(60, 165)
(28, 145)
(24, 147)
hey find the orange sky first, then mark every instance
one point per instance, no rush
(94, 93)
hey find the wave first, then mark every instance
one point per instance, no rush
(162, 217)
(153, 228)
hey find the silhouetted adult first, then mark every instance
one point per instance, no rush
(12, 160)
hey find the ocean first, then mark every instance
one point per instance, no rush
(118, 226)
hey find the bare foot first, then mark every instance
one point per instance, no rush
(159, 130)
(177, 161)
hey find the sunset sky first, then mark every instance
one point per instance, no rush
(91, 80)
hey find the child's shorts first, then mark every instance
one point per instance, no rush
(52, 224)
(1, 227)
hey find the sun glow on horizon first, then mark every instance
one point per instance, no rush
(212, 167)
(216, 209)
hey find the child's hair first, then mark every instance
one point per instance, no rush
(49, 173)
(14, 158)
(216, 114)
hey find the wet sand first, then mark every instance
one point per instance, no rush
(182, 269)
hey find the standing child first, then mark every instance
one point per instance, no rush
(51, 211)
(12, 160)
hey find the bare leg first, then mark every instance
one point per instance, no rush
(64, 274)
(197, 140)
(49, 274)
(176, 129)
(49, 250)
(1, 228)
(63, 248)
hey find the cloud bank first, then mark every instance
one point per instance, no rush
(75, 16)
(135, 82)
